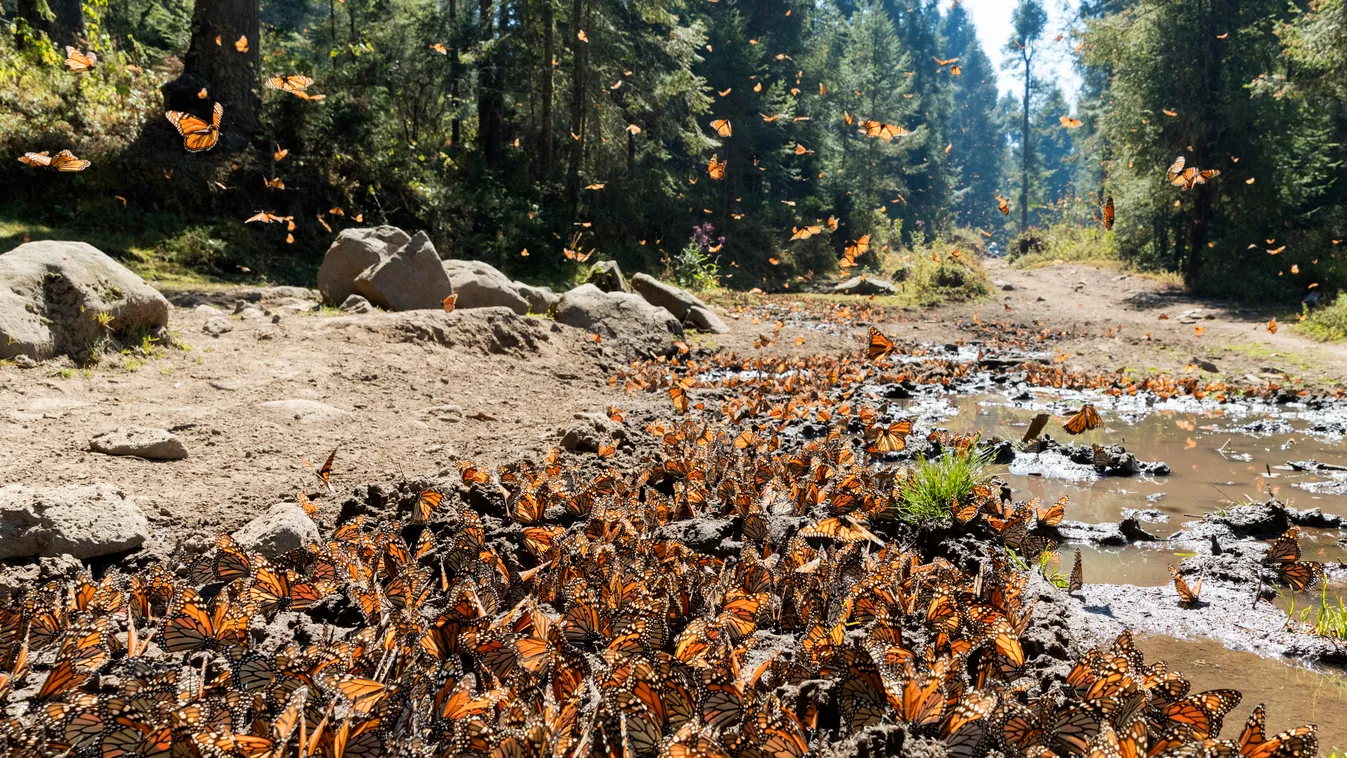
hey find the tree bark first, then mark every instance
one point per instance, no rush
(65, 26)
(229, 77)
(1026, 144)
(455, 64)
(578, 75)
(489, 98)
(549, 52)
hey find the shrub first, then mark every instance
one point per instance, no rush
(1328, 323)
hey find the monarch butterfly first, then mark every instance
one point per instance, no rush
(1003, 205)
(840, 528)
(266, 217)
(1175, 171)
(1286, 549)
(197, 135)
(1052, 516)
(36, 160)
(805, 232)
(860, 247)
(292, 83)
(228, 563)
(196, 628)
(77, 61)
(426, 503)
(1204, 713)
(324, 473)
(890, 439)
(722, 127)
(882, 130)
(679, 396)
(1109, 213)
(1187, 595)
(716, 170)
(1085, 419)
(276, 183)
(1070, 123)
(1301, 576)
(278, 590)
(66, 161)
(1077, 581)
(880, 346)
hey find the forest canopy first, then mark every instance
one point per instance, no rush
(706, 138)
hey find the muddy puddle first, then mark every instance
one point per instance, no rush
(1211, 458)
(1293, 695)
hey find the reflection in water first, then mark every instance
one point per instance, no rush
(1293, 695)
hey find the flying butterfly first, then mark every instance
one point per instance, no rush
(79, 62)
(324, 473)
(197, 135)
(716, 169)
(1108, 213)
(722, 127)
(880, 347)
(1084, 420)
(1070, 123)
(1003, 205)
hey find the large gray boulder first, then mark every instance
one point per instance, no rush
(620, 317)
(481, 285)
(64, 297)
(352, 252)
(411, 279)
(608, 277)
(140, 442)
(282, 528)
(864, 285)
(673, 299)
(83, 520)
(706, 320)
(540, 299)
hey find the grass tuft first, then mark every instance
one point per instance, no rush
(934, 484)
(1327, 324)
(1323, 617)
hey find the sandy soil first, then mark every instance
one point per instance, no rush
(388, 392)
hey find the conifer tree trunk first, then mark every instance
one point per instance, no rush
(60, 20)
(581, 58)
(455, 64)
(549, 52)
(489, 97)
(230, 77)
(1026, 144)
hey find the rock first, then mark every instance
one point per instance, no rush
(352, 252)
(608, 277)
(304, 411)
(1004, 285)
(451, 414)
(63, 297)
(620, 317)
(217, 325)
(284, 527)
(84, 520)
(705, 320)
(863, 285)
(591, 431)
(1205, 365)
(23, 361)
(540, 299)
(251, 313)
(673, 299)
(411, 279)
(490, 331)
(141, 442)
(208, 310)
(480, 285)
(356, 304)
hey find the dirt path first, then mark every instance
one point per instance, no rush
(1113, 320)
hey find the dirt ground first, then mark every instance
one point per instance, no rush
(397, 400)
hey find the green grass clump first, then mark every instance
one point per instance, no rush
(1323, 617)
(1328, 324)
(934, 484)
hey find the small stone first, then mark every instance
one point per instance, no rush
(284, 527)
(24, 361)
(1205, 365)
(141, 442)
(1004, 285)
(217, 325)
(208, 310)
(356, 304)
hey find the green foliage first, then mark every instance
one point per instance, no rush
(1328, 323)
(1324, 617)
(934, 485)
(695, 269)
